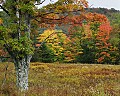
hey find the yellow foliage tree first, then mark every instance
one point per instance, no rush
(54, 39)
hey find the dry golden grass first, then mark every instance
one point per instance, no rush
(52, 79)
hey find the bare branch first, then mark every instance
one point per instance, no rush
(5, 10)
(38, 3)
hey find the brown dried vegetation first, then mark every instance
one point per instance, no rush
(64, 80)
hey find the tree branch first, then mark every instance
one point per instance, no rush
(48, 37)
(47, 19)
(51, 19)
(5, 10)
(40, 2)
(47, 13)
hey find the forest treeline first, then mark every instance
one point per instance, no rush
(80, 47)
(92, 38)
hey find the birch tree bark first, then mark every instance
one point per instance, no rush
(22, 70)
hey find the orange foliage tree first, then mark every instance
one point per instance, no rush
(103, 43)
(94, 36)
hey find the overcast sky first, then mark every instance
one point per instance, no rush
(105, 3)
(100, 3)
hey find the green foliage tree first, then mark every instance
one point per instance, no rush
(115, 37)
(43, 54)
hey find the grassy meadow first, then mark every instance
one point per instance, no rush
(52, 79)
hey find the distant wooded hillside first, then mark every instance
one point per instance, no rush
(104, 11)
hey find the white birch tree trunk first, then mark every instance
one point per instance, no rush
(22, 67)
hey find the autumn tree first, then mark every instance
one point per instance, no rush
(101, 29)
(58, 44)
(16, 35)
(93, 31)
(53, 41)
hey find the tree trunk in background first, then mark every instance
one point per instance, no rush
(22, 67)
